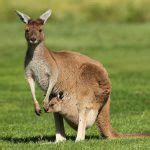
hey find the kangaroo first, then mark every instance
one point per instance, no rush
(77, 88)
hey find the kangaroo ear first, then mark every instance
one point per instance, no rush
(23, 17)
(45, 16)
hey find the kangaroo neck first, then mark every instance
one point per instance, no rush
(36, 50)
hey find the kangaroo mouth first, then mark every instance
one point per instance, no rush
(33, 42)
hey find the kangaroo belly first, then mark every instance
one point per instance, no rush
(71, 115)
(42, 81)
(73, 120)
(41, 73)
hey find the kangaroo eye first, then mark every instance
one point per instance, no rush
(40, 30)
(27, 30)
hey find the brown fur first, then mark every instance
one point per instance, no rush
(84, 83)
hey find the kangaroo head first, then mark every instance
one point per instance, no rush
(34, 28)
(55, 105)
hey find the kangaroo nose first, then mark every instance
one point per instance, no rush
(46, 106)
(33, 39)
(46, 109)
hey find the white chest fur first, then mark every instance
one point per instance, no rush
(41, 72)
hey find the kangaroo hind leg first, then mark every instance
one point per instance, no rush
(103, 121)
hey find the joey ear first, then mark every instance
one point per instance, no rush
(45, 16)
(23, 17)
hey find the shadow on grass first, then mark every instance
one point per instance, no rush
(36, 139)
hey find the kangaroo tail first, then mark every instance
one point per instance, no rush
(103, 123)
(134, 135)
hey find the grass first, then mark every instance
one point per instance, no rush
(124, 51)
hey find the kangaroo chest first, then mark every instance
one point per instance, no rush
(40, 70)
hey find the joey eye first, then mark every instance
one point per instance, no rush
(51, 105)
(40, 30)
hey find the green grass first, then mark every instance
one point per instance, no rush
(124, 49)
